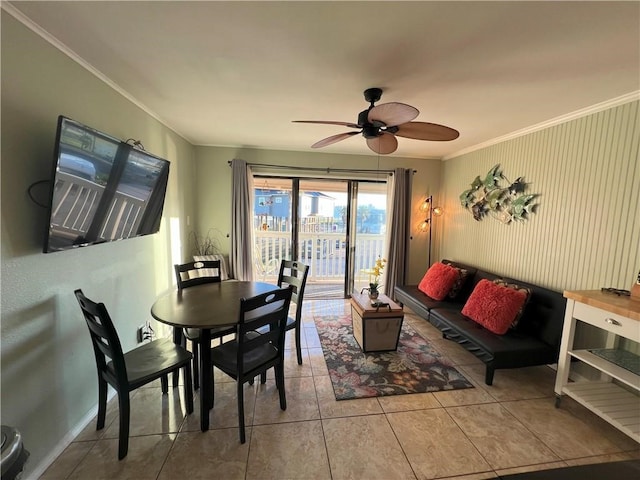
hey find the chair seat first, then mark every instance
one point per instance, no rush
(193, 334)
(225, 356)
(146, 362)
(291, 323)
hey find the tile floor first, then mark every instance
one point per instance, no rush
(512, 426)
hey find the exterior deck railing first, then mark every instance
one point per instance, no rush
(325, 253)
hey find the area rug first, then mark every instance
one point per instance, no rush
(414, 368)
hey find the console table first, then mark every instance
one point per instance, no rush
(615, 396)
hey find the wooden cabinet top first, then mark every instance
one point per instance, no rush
(618, 304)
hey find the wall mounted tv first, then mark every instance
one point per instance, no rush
(102, 189)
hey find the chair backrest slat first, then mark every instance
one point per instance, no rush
(294, 273)
(270, 309)
(197, 273)
(104, 338)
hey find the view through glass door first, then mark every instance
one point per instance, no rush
(337, 227)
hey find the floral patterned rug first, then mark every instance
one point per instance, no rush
(414, 368)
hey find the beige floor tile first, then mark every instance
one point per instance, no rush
(330, 407)
(67, 461)
(613, 457)
(378, 454)
(506, 424)
(224, 413)
(608, 431)
(501, 439)
(302, 403)
(424, 328)
(290, 340)
(434, 431)
(197, 455)
(454, 352)
(475, 476)
(403, 403)
(90, 433)
(144, 460)
(516, 383)
(288, 451)
(291, 367)
(317, 361)
(152, 412)
(532, 468)
(313, 339)
(568, 435)
(464, 396)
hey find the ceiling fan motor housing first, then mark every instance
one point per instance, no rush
(389, 120)
(370, 131)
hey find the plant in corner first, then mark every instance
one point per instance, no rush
(208, 244)
(376, 271)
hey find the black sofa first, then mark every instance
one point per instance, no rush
(535, 340)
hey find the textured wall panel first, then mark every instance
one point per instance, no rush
(585, 233)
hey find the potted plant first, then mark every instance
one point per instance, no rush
(374, 284)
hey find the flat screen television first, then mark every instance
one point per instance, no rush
(102, 189)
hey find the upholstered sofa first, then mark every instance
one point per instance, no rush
(535, 340)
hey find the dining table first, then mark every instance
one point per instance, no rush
(205, 307)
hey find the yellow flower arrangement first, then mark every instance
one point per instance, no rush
(376, 271)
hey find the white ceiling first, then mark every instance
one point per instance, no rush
(237, 73)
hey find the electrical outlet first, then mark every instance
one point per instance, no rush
(140, 333)
(145, 333)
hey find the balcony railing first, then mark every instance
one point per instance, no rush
(325, 253)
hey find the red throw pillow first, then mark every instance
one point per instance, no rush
(438, 280)
(493, 306)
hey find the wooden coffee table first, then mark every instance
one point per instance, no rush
(376, 329)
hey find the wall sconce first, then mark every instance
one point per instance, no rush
(430, 211)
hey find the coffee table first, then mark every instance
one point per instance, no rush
(376, 329)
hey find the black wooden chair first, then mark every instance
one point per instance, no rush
(251, 353)
(188, 275)
(294, 274)
(126, 372)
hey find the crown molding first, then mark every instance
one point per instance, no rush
(34, 27)
(598, 107)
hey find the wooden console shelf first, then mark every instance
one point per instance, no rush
(616, 397)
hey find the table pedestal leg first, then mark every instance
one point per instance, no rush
(206, 379)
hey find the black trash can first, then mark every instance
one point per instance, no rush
(14, 455)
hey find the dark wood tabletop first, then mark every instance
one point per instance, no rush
(206, 306)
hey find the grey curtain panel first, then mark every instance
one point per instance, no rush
(399, 206)
(240, 257)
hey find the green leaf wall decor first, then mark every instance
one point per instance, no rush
(504, 203)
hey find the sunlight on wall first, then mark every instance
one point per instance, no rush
(175, 239)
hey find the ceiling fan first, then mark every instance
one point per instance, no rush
(381, 124)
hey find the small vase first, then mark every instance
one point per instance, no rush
(374, 295)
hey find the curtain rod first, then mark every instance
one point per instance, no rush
(317, 169)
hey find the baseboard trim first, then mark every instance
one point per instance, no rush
(65, 441)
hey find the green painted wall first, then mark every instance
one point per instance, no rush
(214, 187)
(48, 370)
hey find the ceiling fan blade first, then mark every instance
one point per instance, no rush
(427, 131)
(344, 124)
(383, 144)
(333, 139)
(392, 114)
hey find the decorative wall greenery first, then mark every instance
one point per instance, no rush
(504, 203)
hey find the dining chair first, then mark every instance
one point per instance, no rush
(126, 372)
(293, 273)
(251, 353)
(188, 275)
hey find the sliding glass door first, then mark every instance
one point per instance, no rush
(337, 227)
